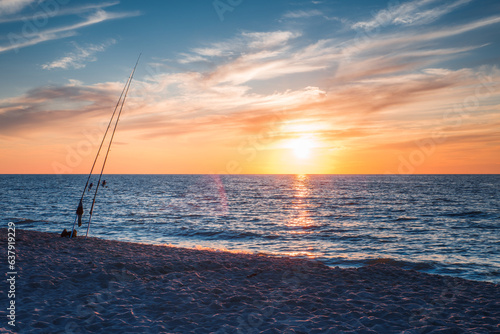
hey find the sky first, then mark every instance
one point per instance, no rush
(251, 87)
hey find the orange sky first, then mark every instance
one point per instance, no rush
(377, 127)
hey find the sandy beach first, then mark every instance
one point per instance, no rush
(102, 286)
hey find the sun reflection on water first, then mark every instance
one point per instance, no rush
(299, 220)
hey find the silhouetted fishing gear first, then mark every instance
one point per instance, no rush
(119, 105)
(79, 213)
(109, 146)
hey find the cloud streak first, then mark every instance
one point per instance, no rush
(58, 11)
(78, 58)
(35, 35)
(66, 107)
(302, 14)
(14, 6)
(409, 13)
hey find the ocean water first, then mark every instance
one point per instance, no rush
(443, 224)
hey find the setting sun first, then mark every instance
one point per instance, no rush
(302, 147)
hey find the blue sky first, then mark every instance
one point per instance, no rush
(165, 29)
(355, 72)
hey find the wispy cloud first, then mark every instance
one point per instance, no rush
(95, 15)
(409, 13)
(64, 11)
(244, 42)
(261, 56)
(14, 6)
(413, 40)
(79, 57)
(300, 14)
(19, 43)
(68, 106)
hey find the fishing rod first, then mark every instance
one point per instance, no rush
(79, 211)
(109, 146)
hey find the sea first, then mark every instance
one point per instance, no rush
(439, 224)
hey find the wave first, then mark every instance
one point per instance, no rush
(428, 267)
(420, 266)
(23, 221)
(27, 221)
(467, 214)
(225, 235)
(401, 219)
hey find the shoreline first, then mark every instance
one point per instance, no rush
(98, 285)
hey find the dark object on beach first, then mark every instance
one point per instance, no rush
(66, 234)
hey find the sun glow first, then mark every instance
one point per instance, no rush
(302, 147)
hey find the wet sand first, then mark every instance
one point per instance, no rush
(102, 286)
